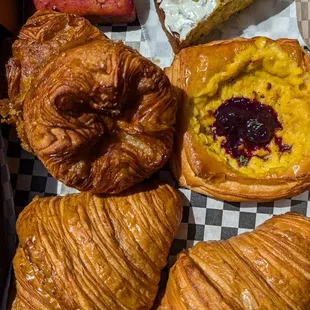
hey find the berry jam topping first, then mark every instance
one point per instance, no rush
(248, 125)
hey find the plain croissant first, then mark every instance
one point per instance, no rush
(268, 269)
(95, 252)
(97, 114)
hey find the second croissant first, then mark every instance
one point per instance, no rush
(268, 268)
(89, 251)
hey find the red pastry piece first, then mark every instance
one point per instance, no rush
(99, 11)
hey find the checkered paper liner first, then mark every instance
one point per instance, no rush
(7, 226)
(204, 218)
(303, 18)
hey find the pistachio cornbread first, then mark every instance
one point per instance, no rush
(186, 21)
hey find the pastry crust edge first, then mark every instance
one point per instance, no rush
(221, 186)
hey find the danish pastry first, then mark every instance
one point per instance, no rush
(96, 113)
(244, 119)
(95, 252)
(268, 268)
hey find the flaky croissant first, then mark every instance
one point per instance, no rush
(268, 268)
(97, 114)
(95, 252)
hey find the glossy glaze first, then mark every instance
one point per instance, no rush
(247, 125)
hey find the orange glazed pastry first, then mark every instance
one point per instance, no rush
(244, 118)
(95, 252)
(96, 113)
(268, 268)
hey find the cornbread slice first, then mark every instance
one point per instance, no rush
(186, 21)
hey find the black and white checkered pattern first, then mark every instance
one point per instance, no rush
(303, 17)
(29, 177)
(7, 227)
(204, 218)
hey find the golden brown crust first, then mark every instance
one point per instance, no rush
(95, 252)
(205, 174)
(97, 114)
(264, 269)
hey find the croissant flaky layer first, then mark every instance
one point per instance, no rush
(95, 252)
(268, 268)
(98, 115)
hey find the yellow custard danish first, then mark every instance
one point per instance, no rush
(244, 119)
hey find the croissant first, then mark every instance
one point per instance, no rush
(95, 252)
(96, 113)
(268, 268)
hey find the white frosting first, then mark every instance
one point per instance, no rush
(181, 16)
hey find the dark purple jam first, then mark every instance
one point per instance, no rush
(248, 125)
(282, 147)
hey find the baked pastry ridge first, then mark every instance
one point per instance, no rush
(96, 113)
(268, 268)
(259, 149)
(95, 252)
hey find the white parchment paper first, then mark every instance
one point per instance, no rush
(270, 18)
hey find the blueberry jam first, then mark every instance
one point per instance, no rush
(248, 125)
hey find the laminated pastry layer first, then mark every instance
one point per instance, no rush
(95, 252)
(96, 113)
(264, 269)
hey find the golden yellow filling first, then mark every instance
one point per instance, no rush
(266, 73)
